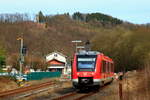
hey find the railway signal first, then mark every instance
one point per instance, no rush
(21, 60)
(24, 50)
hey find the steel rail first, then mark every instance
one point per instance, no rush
(65, 96)
(80, 97)
(24, 89)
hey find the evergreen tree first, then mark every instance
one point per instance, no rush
(41, 17)
(102, 18)
(78, 16)
(2, 57)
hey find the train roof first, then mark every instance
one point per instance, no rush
(83, 52)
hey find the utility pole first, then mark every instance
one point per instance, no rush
(21, 60)
(76, 44)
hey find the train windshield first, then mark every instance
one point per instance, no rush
(86, 62)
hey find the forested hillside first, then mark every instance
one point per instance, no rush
(130, 48)
(127, 44)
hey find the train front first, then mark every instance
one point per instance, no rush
(84, 69)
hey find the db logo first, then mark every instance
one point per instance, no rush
(84, 74)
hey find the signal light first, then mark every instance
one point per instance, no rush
(24, 50)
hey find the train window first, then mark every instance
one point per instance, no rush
(86, 62)
(103, 66)
(112, 67)
(107, 67)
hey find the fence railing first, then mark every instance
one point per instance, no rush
(41, 75)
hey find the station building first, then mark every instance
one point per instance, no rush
(57, 62)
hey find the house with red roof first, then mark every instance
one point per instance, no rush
(56, 62)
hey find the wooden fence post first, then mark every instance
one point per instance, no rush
(120, 91)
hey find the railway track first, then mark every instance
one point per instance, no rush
(29, 89)
(78, 95)
(75, 96)
(19, 93)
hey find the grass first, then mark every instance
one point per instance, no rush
(137, 85)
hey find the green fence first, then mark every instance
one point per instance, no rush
(41, 75)
(34, 75)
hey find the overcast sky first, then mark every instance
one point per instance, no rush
(135, 11)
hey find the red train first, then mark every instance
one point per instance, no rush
(91, 68)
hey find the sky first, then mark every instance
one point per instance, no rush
(135, 11)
